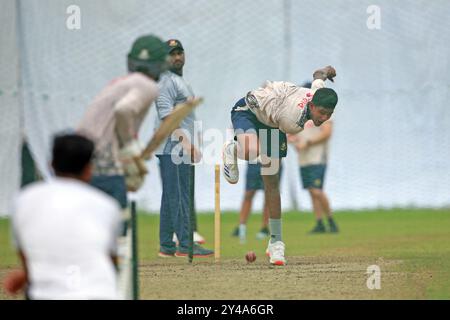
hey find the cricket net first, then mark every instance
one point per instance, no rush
(391, 140)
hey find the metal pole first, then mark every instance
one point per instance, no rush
(191, 212)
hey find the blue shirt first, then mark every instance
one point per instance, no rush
(173, 91)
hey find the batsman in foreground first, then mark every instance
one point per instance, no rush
(113, 120)
(261, 121)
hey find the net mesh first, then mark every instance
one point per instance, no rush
(391, 141)
(10, 108)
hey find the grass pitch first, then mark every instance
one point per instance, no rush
(411, 247)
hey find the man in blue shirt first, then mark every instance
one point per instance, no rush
(175, 176)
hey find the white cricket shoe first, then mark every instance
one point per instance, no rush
(276, 253)
(230, 165)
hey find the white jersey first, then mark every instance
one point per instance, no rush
(114, 118)
(315, 154)
(283, 105)
(67, 231)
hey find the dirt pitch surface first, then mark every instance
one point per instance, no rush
(301, 278)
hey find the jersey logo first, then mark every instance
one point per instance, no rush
(144, 54)
(251, 101)
(305, 100)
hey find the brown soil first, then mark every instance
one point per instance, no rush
(301, 278)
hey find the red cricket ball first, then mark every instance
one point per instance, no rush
(250, 256)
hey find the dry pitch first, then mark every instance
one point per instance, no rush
(302, 278)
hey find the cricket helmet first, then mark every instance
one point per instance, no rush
(149, 56)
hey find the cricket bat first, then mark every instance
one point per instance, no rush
(169, 124)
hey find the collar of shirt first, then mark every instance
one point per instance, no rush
(305, 116)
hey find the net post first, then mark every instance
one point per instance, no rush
(134, 248)
(217, 214)
(191, 213)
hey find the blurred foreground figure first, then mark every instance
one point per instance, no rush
(115, 116)
(66, 231)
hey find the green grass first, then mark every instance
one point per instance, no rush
(419, 238)
(7, 254)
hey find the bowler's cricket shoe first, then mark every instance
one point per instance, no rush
(276, 253)
(230, 165)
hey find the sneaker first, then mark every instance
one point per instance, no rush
(319, 228)
(276, 253)
(199, 252)
(333, 226)
(230, 166)
(164, 254)
(198, 238)
(263, 233)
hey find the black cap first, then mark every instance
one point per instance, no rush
(325, 97)
(174, 44)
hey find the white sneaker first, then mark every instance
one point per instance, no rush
(198, 238)
(230, 166)
(276, 253)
